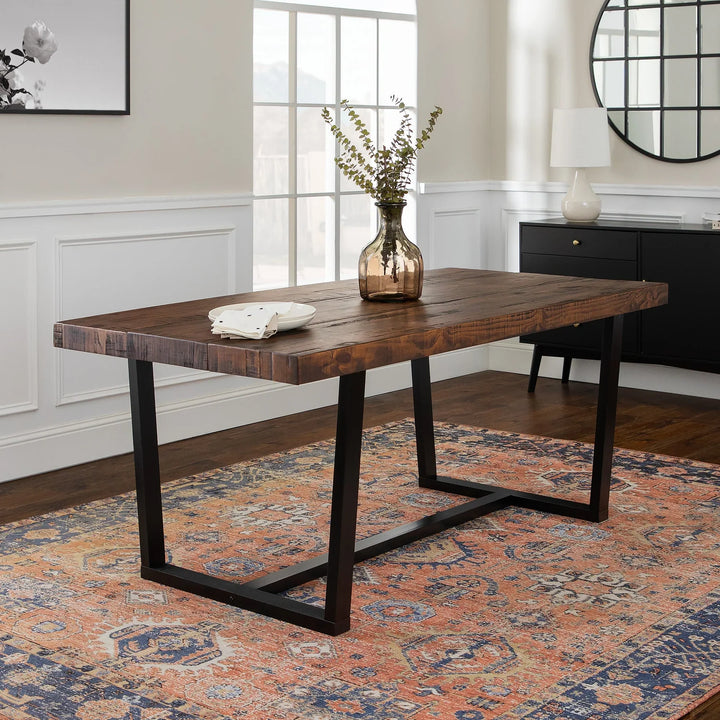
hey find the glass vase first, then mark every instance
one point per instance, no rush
(390, 267)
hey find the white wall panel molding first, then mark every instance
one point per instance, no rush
(451, 188)
(110, 273)
(455, 239)
(516, 186)
(634, 217)
(451, 222)
(18, 327)
(123, 205)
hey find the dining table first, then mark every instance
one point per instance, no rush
(459, 308)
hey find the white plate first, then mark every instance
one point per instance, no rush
(298, 316)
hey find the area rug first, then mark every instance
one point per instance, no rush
(515, 615)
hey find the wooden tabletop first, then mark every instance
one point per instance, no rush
(459, 308)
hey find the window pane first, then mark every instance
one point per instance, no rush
(610, 82)
(680, 132)
(315, 153)
(270, 244)
(643, 83)
(680, 82)
(710, 41)
(358, 72)
(644, 130)
(610, 37)
(644, 32)
(617, 118)
(710, 132)
(270, 55)
(711, 81)
(389, 122)
(397, 61)
(315, 240)
(315, 58)
(270, 147)
(358, 227)
(680, 33)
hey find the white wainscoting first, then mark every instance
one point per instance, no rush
(64, 260)
(494, 239)
(18, 327)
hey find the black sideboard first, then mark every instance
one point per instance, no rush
(684, 333)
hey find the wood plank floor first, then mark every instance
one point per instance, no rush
(654, 422)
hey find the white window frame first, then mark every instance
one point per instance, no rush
(333, 244)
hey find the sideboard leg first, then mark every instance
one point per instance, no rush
(605, 422)
(343, 516)
(534, 368)
(147, 464)
(424, 431)
(567, 364)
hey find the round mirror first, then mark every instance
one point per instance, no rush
(655, 66)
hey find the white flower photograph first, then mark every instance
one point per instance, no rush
(64, 57)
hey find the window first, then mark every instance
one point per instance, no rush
(310, 222)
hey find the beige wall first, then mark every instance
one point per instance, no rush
(540, 60)
(454, 72)
(189, 131)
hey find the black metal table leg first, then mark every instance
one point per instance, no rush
(424, 433)
(343, 518)
(605, 420)
(147, 466)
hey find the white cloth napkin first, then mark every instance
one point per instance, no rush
(253, 322)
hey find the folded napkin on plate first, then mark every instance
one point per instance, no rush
(254, 322)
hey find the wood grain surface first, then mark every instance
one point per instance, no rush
(459, 308)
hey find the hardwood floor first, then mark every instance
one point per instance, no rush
(654, 422)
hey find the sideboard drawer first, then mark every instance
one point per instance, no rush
(578, 266)
(579, 242)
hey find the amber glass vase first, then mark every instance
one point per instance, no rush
(390, 267)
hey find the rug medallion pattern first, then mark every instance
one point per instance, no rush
(518, 615)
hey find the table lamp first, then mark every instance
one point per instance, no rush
(580, 139)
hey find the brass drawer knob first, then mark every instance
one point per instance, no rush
(576, 324)
(576, 243)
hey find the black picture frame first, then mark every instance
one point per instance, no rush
(103, 86)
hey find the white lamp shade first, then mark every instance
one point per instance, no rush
(580, 138)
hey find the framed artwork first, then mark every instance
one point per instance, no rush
(69, 56)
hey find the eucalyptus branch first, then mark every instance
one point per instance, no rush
(383, 173)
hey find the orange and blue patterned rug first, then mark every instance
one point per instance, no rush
(515, 615)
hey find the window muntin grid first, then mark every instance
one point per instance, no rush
(310, 222)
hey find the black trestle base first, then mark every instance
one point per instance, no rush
(261, 594)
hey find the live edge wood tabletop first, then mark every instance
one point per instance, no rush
(459, 308)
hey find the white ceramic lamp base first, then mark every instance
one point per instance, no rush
(581, 204)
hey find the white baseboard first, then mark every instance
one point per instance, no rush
(514, 356)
